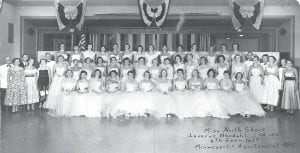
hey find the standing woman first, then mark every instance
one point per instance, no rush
(195, 52)
(76, 55)
(190, 65)
(155, 70)
(76, 69)
(164, 54)
(203, 68)
(290, 99)
(62, 52)
(31, 80)
(113, 66)
(127, 53)
(103, 54)
(178, 64)
(16, 93)
(101, 65)
(256, 79)
(225, 53)
(88, 66)
(58, 74)
(221, 67)
(168, 66)
(140, 69)
(236, 51)
(150, 55)
(238, 66)
(125, 68)
(211, 57)
(272, 84)
(140, 53)
(43, 81)
(179, 52)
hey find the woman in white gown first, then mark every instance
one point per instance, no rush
(127, 53)
(76, 55)
(113, 66)
(53, 97)
(238, 66)
(178, 64)
(113, 87)
(221, 67)
(155, 70)
(180, 53)
(225, 53)
(140, 53)
(190, 65)
(164, 105)
(246, 102)
(88, 66)
(103, 54)
(194, 51)
(94, 105)
(211, 57)
(66, 98)
(203, 68)
(256, 79)
(272, 85)
(140, 69)
(81, 98)
(164, 54)
(179, 95)
(147, 102)
(214, 97)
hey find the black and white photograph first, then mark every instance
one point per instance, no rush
(150, 76)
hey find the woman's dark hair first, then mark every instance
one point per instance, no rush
(148, 73)
(180, 46)
(68, 70)
(126, 59)
(273, 57)
(223, 45)
(168, 60)
(82, 72)
(236, 75)
(203, 57)
(98, 60)
(238, 45)
(290, 60)
(197, 72)
(113, 71)
(156, 60)
(239, 56)
(13, 61)
(113, 58)
(115, 44)
(151, 45)
(211, 70)
(227, 72)
(85, 60)
(127, 44)
(131, 72)
(179, 58)
(255, 56)
(141, 47)
(94, 73)
(160, 74)
(218, 58)
(180, 70)
(142, 58)
(60, 56)
(266, 55)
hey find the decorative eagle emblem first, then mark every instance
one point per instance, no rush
(70, 16)
(157, 15)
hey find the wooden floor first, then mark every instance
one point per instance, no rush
(37, 132)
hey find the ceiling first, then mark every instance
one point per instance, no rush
(154, 2)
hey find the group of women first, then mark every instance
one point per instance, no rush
(164, 84)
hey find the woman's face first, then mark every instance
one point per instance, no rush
(211, 49)
(195, 73)
(289, 64)
(147, 76)
(90, 47)
(235, 47)
(211, 74)
(141, 61)
(100, 60)
(249, 55)
(127, 47)
(126, 62)
(283, 62)
(167, 62)
(114, 60)
(130, 75)
(154, 62)
(151, 48)
(223, 47)
(265, 58)
(194, 47)
(140, 49)
(238, 58)
(83, 76)
(221, 59)
(43, 62)
(164, 48)
(239, 76)
(226, 75)
(62, 47)
(102, 49)
(189, 57)
(164, 74)
(69, 74)
(17, 62)
(76, 48)
(97, 74)
(177, 59)
(60, 59)
(202, 61)
(271, 60)
(255, 60)
(115, 47)
(88, 61)
(113, 75)
(180, 49)
(180, 74)
(31, 61)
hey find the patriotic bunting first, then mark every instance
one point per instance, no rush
(70, 13)
(240, 13)
(157, 15)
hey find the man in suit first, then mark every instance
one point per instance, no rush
(24, 60)
(3, 81)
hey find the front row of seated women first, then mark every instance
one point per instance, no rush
(160, 98)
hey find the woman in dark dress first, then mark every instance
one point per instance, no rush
(43, 81)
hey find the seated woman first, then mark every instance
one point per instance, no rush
(96, 95)
(101, 65)
(155, 70)
(168, 66)
(140, 69)
(164, 106)
(211, 104)
(195, 83)
(66, 98)
(88, 67)
(246, 101)
(81, 98)
(146, 86)
(125, 68)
